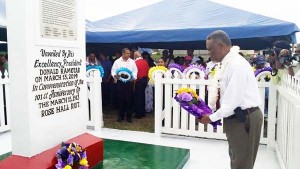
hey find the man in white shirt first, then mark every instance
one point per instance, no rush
(239, 101)
(125, 89)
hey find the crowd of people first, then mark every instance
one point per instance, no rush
(127, 97)
(138, 95)
(239, 97)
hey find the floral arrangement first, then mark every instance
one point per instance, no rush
(197, 69)
(264, 72)
(125, 74)
(154, 70)
(176, 66)
(213, 71)
(95, 67)
(192, 103)
(265, 69)
(71, 154)
(213, 90)
(191, 67)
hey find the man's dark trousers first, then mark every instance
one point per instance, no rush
(243, 139)
(124, 94)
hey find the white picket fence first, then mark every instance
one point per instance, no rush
(282, 132)
(283, 129)
(4, 104)
(287, 142)
(176, 120)
(95, 119)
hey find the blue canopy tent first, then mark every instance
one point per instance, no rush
(183, 24)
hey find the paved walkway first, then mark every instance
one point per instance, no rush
(205, 153)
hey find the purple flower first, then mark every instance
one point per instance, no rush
(202, 106)
(70, 159)
(186, 97)
(197, 109)
(190, 67)
(76, 158)
(63, 152)
(58, 151)
(60, 164)
(64, 157)
(258, 71)
(175, 65)
(83, 154)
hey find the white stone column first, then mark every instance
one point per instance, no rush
(46, 50)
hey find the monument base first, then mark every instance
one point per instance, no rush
(47, 159)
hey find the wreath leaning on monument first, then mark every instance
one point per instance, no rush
(71, 154)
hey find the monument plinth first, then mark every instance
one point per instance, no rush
(47, 159)
(48, 91)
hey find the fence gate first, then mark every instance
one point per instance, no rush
(170, 118)
(287, 143)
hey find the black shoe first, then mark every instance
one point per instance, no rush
(120, 119)
(129, 120)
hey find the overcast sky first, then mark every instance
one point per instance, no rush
(280, 9)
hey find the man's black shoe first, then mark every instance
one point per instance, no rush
(129, 120)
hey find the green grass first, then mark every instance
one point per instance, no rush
(145, 124)
(156, 56)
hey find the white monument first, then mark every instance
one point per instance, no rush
(46, 48)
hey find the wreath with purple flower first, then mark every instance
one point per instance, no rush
(71, 154)
(176, 66)
(175, 70)
(197, 69)
(264, 72)
(193, 104)
(265, 69)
